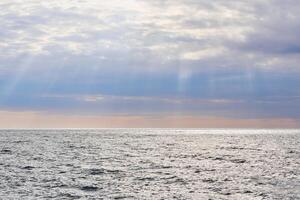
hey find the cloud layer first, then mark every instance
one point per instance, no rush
(220, 58)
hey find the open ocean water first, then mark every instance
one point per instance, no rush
(150, 164)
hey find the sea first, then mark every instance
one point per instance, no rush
(196, 164)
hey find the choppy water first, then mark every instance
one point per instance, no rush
(150, 164)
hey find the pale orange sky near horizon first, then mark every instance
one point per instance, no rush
(41, 120)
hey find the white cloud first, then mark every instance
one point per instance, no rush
(153, 34)
(168, 100)
(205, 53)
(162, 32)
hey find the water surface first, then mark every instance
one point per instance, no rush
(150, 164)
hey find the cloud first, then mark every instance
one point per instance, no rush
(160, 55)
(159, 99)
(153, 34)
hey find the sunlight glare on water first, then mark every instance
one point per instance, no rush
(150, 164)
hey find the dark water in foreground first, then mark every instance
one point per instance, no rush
(150, 164)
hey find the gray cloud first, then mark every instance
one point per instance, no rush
(204, 49)
(253, 33)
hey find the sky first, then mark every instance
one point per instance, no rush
(150, 63)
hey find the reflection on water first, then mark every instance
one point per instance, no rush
(150, 164)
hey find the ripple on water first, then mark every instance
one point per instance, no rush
(6, 151)
(28, 167)
(89, 188)
(96, 171)
(148, 164)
